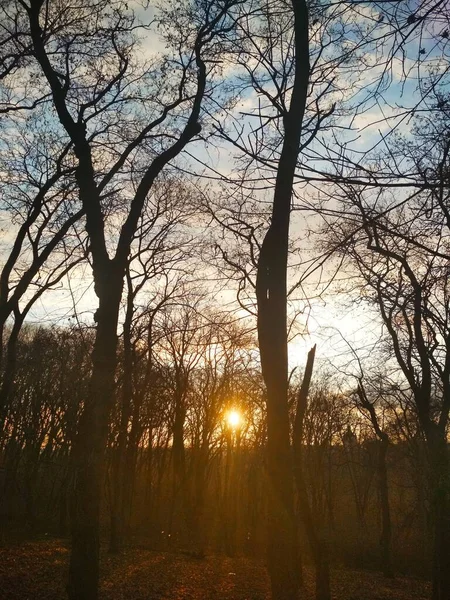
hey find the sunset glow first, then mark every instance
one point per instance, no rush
(234, 419)
(224, 299)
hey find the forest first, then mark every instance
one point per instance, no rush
(224, 299)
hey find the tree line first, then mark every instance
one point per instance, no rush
(364, 475)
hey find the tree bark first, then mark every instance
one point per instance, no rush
(439, 471)
(197, 533)
(89, 448)
(316, 537)
(386, 528)
(90, 444)
(383, 484)
(322, 563)
(10, 366)
(119, 472)
(271, 292)
(178, 508)
(178, 451)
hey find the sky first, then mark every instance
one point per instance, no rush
(332, 321)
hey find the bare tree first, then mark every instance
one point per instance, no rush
(44, 243)
(158, 263)
(366, 402)
(271, 293)
(85, 99)
(399, 248)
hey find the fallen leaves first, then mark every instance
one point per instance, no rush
(37, 571)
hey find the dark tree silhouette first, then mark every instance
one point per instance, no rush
(106, 38)
(399, 248)
(271, 293)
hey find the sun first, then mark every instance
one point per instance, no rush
(234, 419)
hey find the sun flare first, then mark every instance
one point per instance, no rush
(234, 419)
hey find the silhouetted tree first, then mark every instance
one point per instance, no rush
(86, 55)
(399, 248)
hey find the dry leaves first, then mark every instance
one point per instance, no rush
(37, 571)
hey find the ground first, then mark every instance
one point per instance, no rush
(37, 571)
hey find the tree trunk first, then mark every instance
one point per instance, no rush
(30, 475)
(197, 532)
(271, 293)
(313, 525)
(178, 453)
(130, 464)
(89, 450)
(439, 471)
(322, 564)
(386, 529)
(10, 366)
(230, 496)
(283, 545)
(119, 472)
(63, 507)
(178, 508)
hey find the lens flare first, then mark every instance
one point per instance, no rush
(234, 419)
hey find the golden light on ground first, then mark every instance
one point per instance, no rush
(234, 419)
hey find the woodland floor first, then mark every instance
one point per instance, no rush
(37, 571)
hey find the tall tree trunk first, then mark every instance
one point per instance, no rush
(226, 493)
(62, 527)
(271, 291)
(322, 564)
(119, 472)
(230, 497)
(130, 468)
(10, 366)
(89, 448)
(178, 452)
(316, 534)
(386, 529)
(178, 501)
(383, 484)
(439, 472)
(90, 444)
(197, 529)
